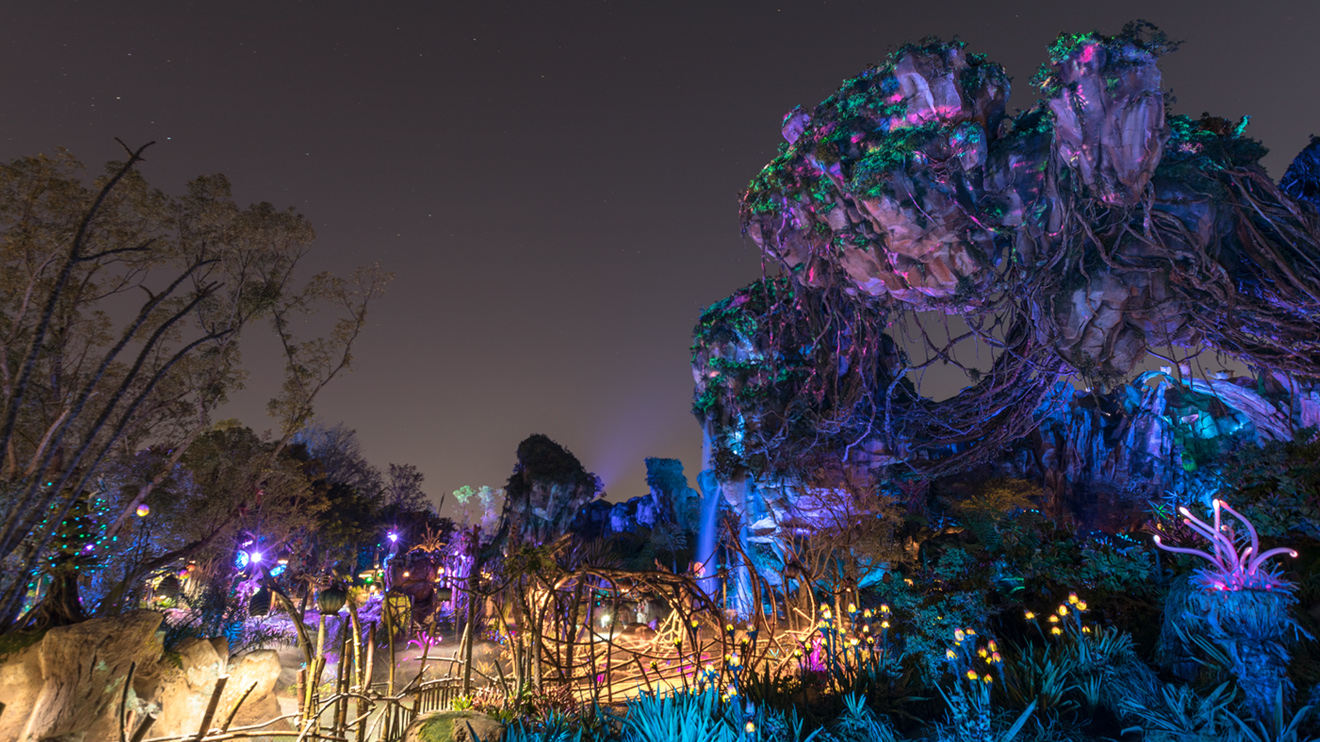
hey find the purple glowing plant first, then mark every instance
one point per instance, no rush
(1228, 569)
(425, 641)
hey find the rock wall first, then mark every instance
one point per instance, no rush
(68, 684)
(1098, 458)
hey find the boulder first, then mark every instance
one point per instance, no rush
(455, 726)
(83, 668)
(185, 686)
(258, 670)
(20, 684)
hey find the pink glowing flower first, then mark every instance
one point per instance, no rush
(1230, 570)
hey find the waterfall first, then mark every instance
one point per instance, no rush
(707, 537)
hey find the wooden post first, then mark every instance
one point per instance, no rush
(390, 628)
(302, 695)
(220, 683)
(469, 636)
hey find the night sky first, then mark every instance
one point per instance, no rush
(555, 183)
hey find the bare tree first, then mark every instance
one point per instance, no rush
(121, 309)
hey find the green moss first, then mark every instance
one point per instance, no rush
(441, 727)
(18, 641)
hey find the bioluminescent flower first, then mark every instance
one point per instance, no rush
(1229, 569)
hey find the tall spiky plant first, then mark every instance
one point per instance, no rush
(1238, 603)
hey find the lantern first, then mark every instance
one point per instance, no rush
(260, 603)
(168, 586)
(143, 510)
(331, 599)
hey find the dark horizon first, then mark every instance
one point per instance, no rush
(554, 186)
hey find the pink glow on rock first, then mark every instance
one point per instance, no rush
(1088, 53)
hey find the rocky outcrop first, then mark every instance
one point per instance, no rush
(1098, 458)
(547, 489)
(20, 684)
(68, 684)
(259, 670)
(671, 501)
(83, 668)
(455, 726)
(1099, 224)
(185, 690)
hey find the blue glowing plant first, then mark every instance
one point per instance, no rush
(1230, 569)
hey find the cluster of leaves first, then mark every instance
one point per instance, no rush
(1276, 485)
(1138, 41)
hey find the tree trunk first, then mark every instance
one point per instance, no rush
(60, 606)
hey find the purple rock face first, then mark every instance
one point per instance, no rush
(1092, 220)
(1108, 114)
(909, 187)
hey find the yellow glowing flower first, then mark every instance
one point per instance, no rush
(908, 580)
(852, 607)
(866, 613)
(971, 675)
(958, 635)
(1054, 618)
(1030, 616)
(751, 727)
(982, 652)
(992, 646)
(950, 654)
(1056, 630)
(733, 691)
(986, 678)
(1086, 629)
(884, 624)
(996, 658)
(1081, 605)
(1072, 598)
(1063, 610)
(884, 607)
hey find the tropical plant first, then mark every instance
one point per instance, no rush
(555, 728)
(859, 724)
(1280, 728)
(1180, 714)
(681, 717)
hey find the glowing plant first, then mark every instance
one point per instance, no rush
(1229, 569)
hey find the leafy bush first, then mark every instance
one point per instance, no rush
(681, 717)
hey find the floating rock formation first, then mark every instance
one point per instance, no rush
(1068, 239)
(1100, 224)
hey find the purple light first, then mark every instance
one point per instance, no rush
(394, 537)
(256, 557)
